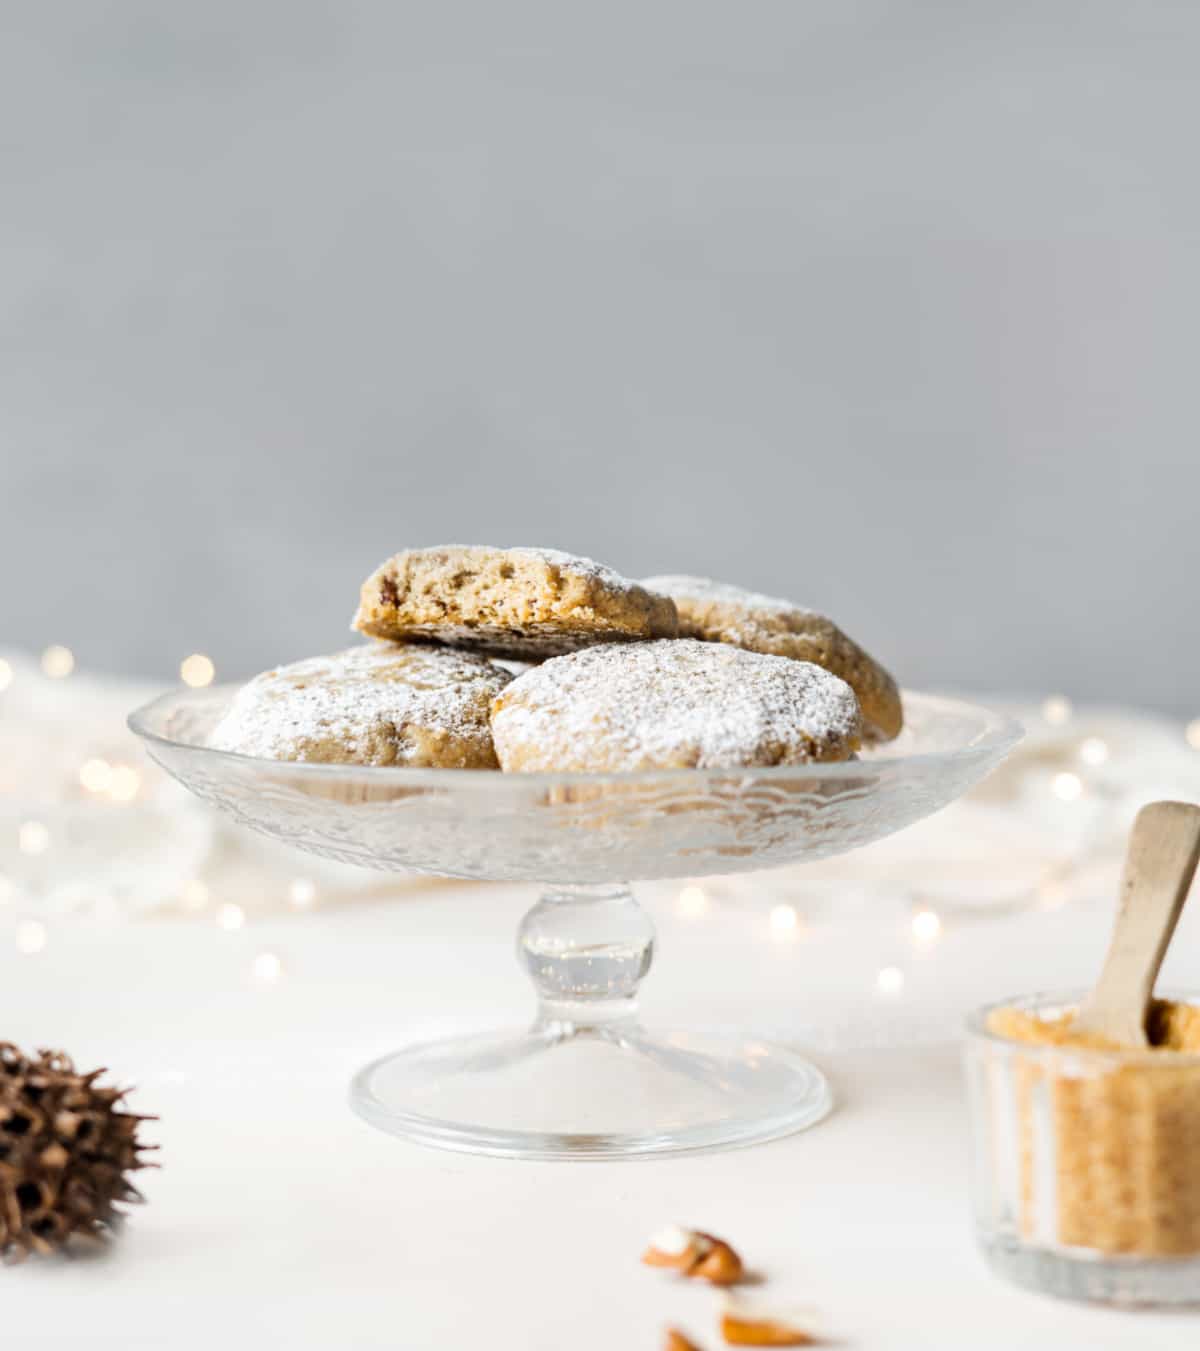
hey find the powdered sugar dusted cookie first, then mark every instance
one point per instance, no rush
(665, 705)
(379, 704)
(523, 603)
(719, 613)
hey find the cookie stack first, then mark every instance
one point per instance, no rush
(535, 660)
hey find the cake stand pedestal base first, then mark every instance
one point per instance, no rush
(587, 1080)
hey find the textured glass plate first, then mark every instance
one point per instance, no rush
(583, 827)
(586, 1080)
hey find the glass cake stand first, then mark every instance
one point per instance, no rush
(586, 1079)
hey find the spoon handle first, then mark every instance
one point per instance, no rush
(1164, 847)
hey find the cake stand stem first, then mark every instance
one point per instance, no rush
(586, 949)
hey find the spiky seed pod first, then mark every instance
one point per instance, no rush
(66, 1150)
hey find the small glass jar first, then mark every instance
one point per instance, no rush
(1085, 1162)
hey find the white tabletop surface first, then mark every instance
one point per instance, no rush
(279, 1218)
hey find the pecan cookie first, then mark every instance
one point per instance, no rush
(379, 704)
(672, 704)
(719, 613)
(522, 603)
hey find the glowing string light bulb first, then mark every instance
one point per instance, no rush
(926, 926)
(1057, 709)
(785, 922)
(30, 936)
(58, 661)
(193, 895)
(890, 980)
(96, 775)
(268, 969)
(302, 893)
(33, 838)
(1093, 750)
(197, 670)
(692, 902)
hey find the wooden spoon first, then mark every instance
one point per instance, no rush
(1164, 847)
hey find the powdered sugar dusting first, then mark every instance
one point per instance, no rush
(681, 587)
(575, 564)
(381, 703)
(673, 703)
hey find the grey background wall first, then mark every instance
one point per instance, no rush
(891, 307)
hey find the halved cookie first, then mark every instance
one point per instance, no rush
(672, 704)
(523, 603)
(719, 613)
(378, 704)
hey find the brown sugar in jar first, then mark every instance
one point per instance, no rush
(1107, 1137)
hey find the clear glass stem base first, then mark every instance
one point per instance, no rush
(587, 1080)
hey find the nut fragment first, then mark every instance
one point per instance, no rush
(755, 1325)
(677, 1248)
(720, 1265)
(696, 1254)
(678, 1341)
